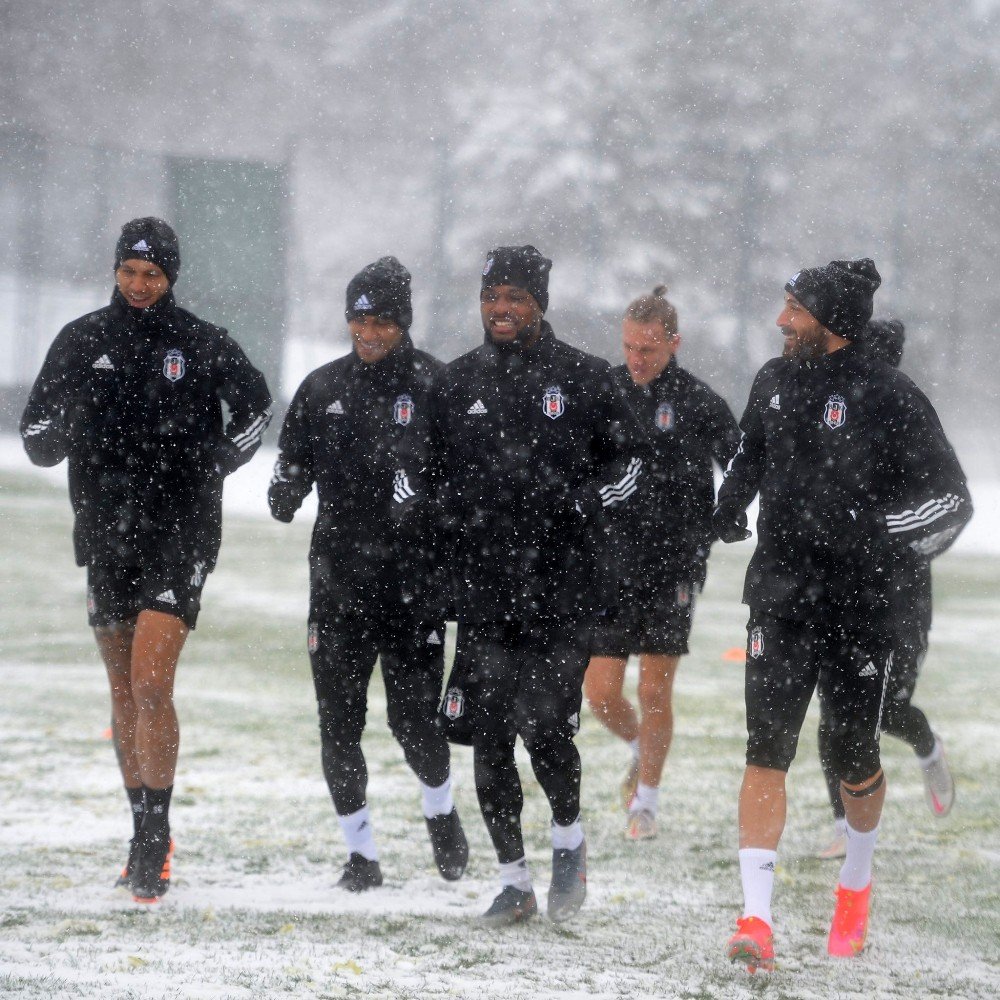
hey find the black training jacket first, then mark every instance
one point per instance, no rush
(662, 536)
(528, 448)
(851, 465)
(133, 398)
(340, 433)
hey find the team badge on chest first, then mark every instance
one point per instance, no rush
(173, 365)
(665, 418)
(553, 403)
(402, 412)
(756, 642)
(835, 413)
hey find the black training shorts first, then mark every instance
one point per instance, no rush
(659, 624)
(118, 593)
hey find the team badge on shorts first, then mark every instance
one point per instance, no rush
(173, 365)
(835, 413)
(665, 418)
(454, 704)
(683, 595)
(91, 602)
(757, 642)
(312, 640)
(402, 412)
(553, 403)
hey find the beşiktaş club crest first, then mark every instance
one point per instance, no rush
(402, 411)
(173, 365)
(835, 413)
(757, 642)
(665, 417)
(454, 704)
(683, 595)
(312, 640)
(553, 402)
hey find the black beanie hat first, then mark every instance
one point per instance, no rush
(524, 267)
(381, 289)
(839, 294)
(883, 339)
(150, 239)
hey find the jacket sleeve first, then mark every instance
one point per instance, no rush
(42, 424)
(745, 470)
(294, 470)
(934, 503)
(245, 392)
(725, 432)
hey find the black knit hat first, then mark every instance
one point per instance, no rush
(883, 339)
(839, 294)
(524, 267)
(381, 289)
(150, 239)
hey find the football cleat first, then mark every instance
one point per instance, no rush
(939, 786)
(629, 784)
(568, 888)
(837, 848)
(451, 849)
(849, 927)
(641, 825)
(753, 945)
(511, 906)
(125, 878)
(151, 875)
(360, 874)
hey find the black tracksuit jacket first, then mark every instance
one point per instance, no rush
(662, 536)
(341, 433)
(528, 449)
(852, 465)
(133, 398)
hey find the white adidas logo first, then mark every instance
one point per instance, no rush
(142, 246)
(363, 303)
(336, 407)
(868, 670)
(477, 408)
(167, 597)
(434, 639)
(103, 362)
(775, 402)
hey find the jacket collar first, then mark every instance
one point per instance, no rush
(144, 321)
(399, 360)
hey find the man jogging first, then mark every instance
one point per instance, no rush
(531, 445)
(851, 464)
(911, 620)
(373, 591)
(661, 540)
(132, 395)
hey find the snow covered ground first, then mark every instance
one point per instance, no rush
(252, 912)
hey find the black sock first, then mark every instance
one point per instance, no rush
(136, 801)
(156, 822)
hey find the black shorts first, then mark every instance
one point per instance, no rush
(787, 661)
(515, 678)
(659, 625)
(118, 593)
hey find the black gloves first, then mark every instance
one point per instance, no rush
(729, 522)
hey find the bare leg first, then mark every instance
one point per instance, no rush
(115, 645)
(603, 684)
(864, 813)
(762, 807)
(656, 730)
(157, 645)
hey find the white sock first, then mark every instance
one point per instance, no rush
(633, 745)
(757, 874)
(567, 838)
(358, 833)
(437, 801)
(646, 798)
(933, 757)
(856, 872)
(516, 873)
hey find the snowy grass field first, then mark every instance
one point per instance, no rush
(252, 911)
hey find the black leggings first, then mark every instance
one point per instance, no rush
(342, 653)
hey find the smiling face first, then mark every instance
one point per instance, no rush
(141, 282)
(648, 349)
(510, 313)
(374, 337)
(805, 337)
